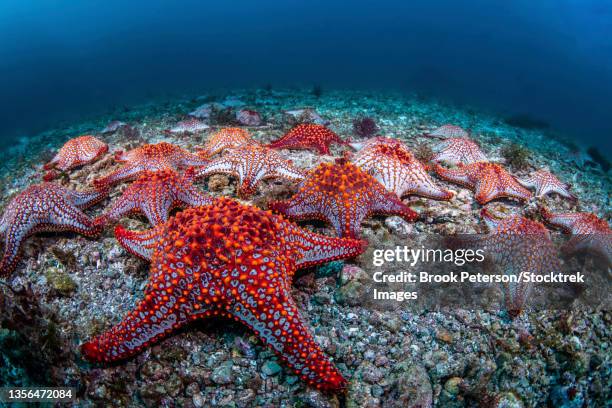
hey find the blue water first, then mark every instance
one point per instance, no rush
(551, 59)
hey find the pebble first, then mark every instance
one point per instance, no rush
(271, 368)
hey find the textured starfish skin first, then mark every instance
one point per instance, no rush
(44, 207)
(589, 232)
(308, 136)
(545, 183)
(448, 131)
(456, 151)
(191, 125)
(226, 138)
(343, 195)
(78, 152)
(490, 181)
(395, 167)
(232, 260)
(156, 193)
(150, 157)
(518, 244)
(251, 164)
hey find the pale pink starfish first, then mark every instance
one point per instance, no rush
(395, 167)
(454, 151)
(448, 131)
(191, 125)
(545, 183)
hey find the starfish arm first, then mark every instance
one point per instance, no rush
(297, 208)
(425, 187)
(139, 243)
(84, 199)
(315, 249)
(458, 175)
(152, 319)
(125, 172)
(280, 325)
(528, 182)
(70, 218)
(125, 204)
(221, 165)
(389, 204)
(190, 159)
(486, 190)
(286, 172)
(517, 191)
(562, 190)
(599, 244)
(13, 238)
(322, 148)
(54, 161)
(565, 221)
(157, 207)
(190, 195)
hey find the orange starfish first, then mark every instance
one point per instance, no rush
(251, 164)
(589, 232)
(78, 152)
(155, 194)
(150, 157)
(490, 181)
(232, 260)
(308, 136)
(395, 167)
(223, 139)
(343, 195)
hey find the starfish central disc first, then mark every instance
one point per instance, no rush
(226, 138)
(227, 259)
(343, 195)
(308, 136)
(78, 152)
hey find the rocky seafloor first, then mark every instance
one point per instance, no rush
(69, 287)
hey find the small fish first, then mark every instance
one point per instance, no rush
(191, 125)
(248, 117)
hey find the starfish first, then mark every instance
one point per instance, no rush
(151, 157)
(251, 164)
(78, 152)
(308, 136)
(233, 260)
(44, 207)
(343, 195)
(247, 117)
(395, 167)
(155, 194)
(191, 125)
(589, 232)
(518, 244)
(448, 131)
(458, 151)
(545, 183)
(489, 181)
(226, 138)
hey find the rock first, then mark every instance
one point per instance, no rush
(411, 387)
(60, 281)
(444, 335)
(217, 182)
(198, 400)
(506, 400)
(247, 117)
(329, 269)
(271, 368)
(398, 226)
(452, 385)
(316, 399)
(223, 373)
(304, 115)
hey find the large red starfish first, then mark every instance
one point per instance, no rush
(458, 151)
(518, 244)
(343, 195)
(151, 157)
(226, 138)
(227, 259)
(251, 164)
(589, 232)
(155, 194)
(308, 136)
(490, 181)
(395, 167)
(42, 208)
(78, 152)
(545, 183)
